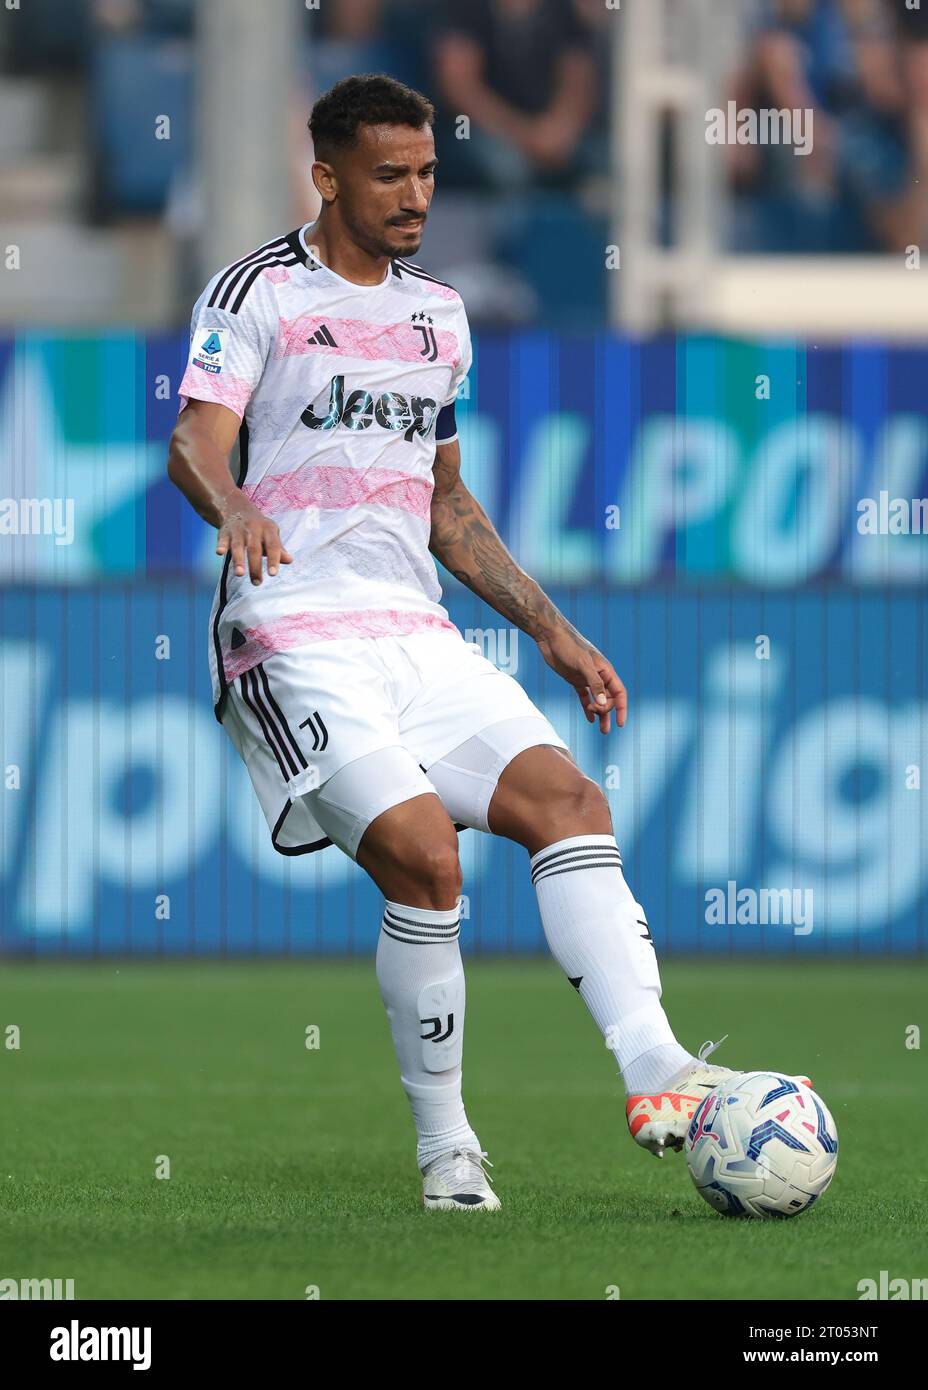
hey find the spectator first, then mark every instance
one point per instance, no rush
(912, 29)
(876, 150)
(522, 71)
(839, 60)
(804, 62)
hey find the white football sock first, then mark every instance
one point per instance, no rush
(421, 978)
(599, 936)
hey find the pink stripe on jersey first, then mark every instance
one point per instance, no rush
(277, 274)
(297, 629)
(217, 387)
(337, 488)
(374, 342)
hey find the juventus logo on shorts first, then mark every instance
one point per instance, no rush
(424, 326)
(320, 734)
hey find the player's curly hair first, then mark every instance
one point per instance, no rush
(371, 98)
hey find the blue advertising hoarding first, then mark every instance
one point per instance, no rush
(776, 746)
(717, 516)
(602, 460)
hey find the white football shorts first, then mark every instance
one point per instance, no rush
(335, 733)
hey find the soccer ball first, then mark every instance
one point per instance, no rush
(761, 1144)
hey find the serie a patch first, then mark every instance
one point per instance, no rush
(211, 349)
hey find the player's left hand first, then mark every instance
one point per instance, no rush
(598, 688)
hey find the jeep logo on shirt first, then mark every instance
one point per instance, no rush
(391, 411)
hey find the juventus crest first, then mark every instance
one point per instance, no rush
(422, 323)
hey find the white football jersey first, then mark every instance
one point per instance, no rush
(338, 387)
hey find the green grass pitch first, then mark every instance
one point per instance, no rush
(293, 1168)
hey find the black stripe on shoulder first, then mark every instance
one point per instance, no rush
(247, 278)
(278, 245)
(296, 246)
(420, 274)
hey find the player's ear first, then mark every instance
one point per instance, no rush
(325, 181)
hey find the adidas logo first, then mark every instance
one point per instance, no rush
(322, 338)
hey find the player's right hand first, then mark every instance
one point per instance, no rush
(250, 535)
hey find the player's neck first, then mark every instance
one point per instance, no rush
(334, 248)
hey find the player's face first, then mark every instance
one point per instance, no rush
(385, 185)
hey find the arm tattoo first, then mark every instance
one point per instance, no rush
(465, 541)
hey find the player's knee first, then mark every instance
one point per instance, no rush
(579, 802)
(438, 871)
(427, 871)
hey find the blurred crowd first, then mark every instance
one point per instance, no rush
(861, 67)
(528, 73)
(529, 76)
(532, 79)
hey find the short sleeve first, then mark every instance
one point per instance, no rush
(463, 364)
(228, 350)
(446, 429)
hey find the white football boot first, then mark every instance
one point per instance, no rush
(457, 1181)
(660, 1121)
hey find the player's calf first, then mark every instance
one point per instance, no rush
(411, 853)
(599, 935)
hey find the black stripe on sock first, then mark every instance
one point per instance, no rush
(434, 931)
(571, 850)
(569, 857)
(411, 921)
(433, 928)
(428, 939)
(424, 937)
(605, 854)
(575, 868)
